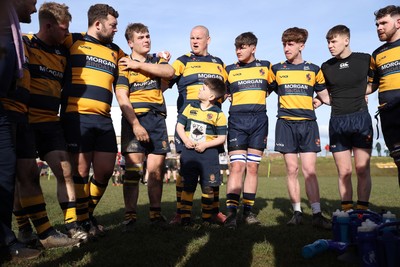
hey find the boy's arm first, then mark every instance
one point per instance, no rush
(220, 140)
(180, 129)
(324, 96)
(160, 70)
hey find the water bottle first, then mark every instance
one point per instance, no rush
(315, 248)
(341, 222)
(367, 244)
(388, 244)
(337, 246)
(388, 217)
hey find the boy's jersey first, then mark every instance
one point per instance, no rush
(203, 125)
(386, 67)
(248, 85)
(46, 66)
(92, 71)
(295, 86)
(190, 73)
(145, 92)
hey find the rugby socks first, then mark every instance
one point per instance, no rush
(215, 205)
(248, 202)
(130, 216)
(82, 198)
(36, 209)
(155, 213)
(316, 207)
(232, 203)
(207, 201)
(179, 189)
(96, 192)
(69, 211)
(186, 203)
(347, 205)
(296, 207)
(362, 205)
(22, 219)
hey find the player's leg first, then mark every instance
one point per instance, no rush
(343, 163)
(362, 165)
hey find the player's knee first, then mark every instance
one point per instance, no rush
(253, 158)
(237, 158)
(207, 190)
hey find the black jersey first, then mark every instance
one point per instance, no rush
(346, 80)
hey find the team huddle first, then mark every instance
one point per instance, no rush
(59, 110)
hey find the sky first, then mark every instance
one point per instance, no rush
(170, 23)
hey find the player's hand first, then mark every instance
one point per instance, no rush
(189, 144)
(200, 147)
(165, 55)
(129, 64)
(140, 132)
(316, 103)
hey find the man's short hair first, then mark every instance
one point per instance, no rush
(338, 30)
(391, 10)
(135, 27)
(217, 86)
(100, 12)
(295, 34)
(246, 38)
(55, 12)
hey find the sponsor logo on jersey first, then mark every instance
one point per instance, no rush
(344, 65)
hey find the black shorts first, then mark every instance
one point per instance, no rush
(205, 165)
(390, 124)
(49, 137)
(247, 131)
(350, 130)
(171, 164)
(297, 136)
(85, 136)
(157, 130)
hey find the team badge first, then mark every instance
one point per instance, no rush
(212, 177)
(308, 77)
(113, 55)
(209, 116)
(262, 72)
(318, 142)
(164, 145)
(219, 68)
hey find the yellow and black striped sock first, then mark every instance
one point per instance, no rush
(216, 200)
(248, 202)
(82, 198)
(347, 205)
(130, 216)
(154, 213)
(69, 211)
(186, 205)
(232, 202)
(207, 200)
(179, 189)
(362, 205)
(36, 209)
(22, 219)
(97, 191)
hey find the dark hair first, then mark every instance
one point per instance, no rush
(338, 30)
(391, 10)
(135, 27)
(246, 38)
(216, 85)
(295, 34)
(100, 12)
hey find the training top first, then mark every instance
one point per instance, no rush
(248, 86)
(295, 86)
(90, 77)
(346, 81)
(190, 73)
(386, 67)
(145, 92)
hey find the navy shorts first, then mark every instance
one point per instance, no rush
(297, 136)
(82, 137)
(247, 131)
(350, 130)
(204, 165)
(49, 137)
(156, 128)
(23, 136)
(390, 124)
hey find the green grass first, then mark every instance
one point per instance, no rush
(271, 244)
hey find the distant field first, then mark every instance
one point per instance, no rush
(271, 244)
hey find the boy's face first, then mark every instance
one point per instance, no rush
(205, 93)
(292, 50)
(338, 44)
(245, 53)
(59, 32)
(140, 42)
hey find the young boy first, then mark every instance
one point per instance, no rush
(202, 128)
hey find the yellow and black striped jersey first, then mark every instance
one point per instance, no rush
(295, 86)
(386, 67)
(17, 100)
(203, 125)
(190, 73)
(145, 92)
(46, 67)
(248, 85)
(92, 71)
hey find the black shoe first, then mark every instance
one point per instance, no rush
(319, 221)
(250, 219)
(231, 221)
(297, 218)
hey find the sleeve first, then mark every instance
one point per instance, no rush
(179, 67)
(319, 81)
(272, 84)
(221, 124)
(122, 80)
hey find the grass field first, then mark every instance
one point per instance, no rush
(271, 244)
